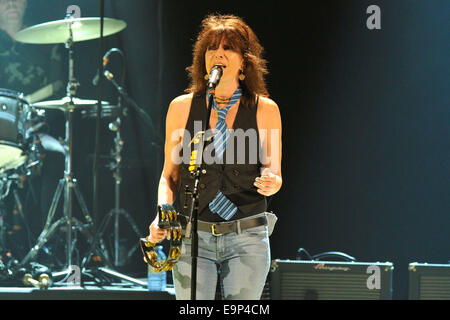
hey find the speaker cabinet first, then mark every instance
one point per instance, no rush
(429, 281)
(330, 280)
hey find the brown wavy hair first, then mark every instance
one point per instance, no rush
(242, 39)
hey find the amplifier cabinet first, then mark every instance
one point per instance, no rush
(429, 281)
(330, 280)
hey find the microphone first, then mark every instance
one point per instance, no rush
(110, 77)
(214, 77)
(105, 63)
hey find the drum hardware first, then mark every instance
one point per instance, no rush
(16, 222)
(3, 213)
(19, 208)
(11, 181)
(5, 186)
(63, 104)
(117, 211)
(68, 184)
(68, 31)
(14, 116)
(8, 267)
(14, 179)
(42, 283)
(147, 119)
(80, 29)
(34, 274)
(108, 112)
(115, 166)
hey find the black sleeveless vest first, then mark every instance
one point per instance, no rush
(235, 180)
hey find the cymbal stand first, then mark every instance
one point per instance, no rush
(68, 184)
(115, 213)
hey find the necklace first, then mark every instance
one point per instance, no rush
(222, 100)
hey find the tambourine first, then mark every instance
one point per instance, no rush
(168, 219)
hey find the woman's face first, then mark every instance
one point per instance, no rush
(230, 60)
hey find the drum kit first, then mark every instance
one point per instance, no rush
(21, 145)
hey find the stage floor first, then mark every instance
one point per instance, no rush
(87, 292)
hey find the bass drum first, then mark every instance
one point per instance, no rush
(15, 113)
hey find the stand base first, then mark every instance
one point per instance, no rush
(123, 277)
(73, 276)
(116, 214)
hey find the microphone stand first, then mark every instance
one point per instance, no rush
(143, 115)
(192, 225)
(98, 122)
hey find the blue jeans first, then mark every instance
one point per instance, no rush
(241, 262)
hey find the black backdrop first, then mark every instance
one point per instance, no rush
(365, 118)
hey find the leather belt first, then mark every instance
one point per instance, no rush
(220, 228)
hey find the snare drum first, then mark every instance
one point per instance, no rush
(14, 115)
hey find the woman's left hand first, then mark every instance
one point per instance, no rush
(268, 184)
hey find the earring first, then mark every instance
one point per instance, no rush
(242, 76)
(206, 76)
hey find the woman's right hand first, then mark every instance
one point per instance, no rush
(156, 233)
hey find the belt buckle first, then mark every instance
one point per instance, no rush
(213, 231)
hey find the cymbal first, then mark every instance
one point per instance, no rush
(58, 31)
(63, 104)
